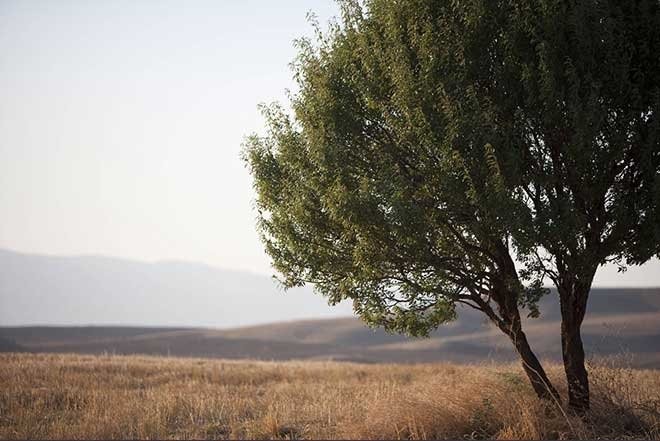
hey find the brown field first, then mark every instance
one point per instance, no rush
(85, 396)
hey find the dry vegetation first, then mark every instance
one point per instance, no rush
(80, 396)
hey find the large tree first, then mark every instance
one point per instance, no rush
(384, 187)
(434, 141)
(575, 86)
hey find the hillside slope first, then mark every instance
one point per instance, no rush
(619, 322)
(224, 309)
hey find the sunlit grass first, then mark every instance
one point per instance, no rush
(80, 396)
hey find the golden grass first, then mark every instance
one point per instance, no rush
(80, 396)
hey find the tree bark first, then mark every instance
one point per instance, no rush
(576, 373)
(573, 303)
(532, 367)
(510, 323)
(506, 298)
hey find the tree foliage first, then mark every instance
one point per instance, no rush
(575, 87)
(583, 120)
(431, 142)
(385, 187)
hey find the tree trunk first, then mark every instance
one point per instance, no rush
(576, 373)
(537, 376)
(506, 297)
(573, 307)
(511, 325)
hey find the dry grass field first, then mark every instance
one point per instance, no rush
(84, 396)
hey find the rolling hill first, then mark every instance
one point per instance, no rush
(633, 330)
(228, 309)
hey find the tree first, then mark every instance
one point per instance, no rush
(434, 142)
(384, 187)
(576, 90)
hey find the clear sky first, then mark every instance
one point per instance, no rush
(121, 124)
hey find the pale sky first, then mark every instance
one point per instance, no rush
(121, 124)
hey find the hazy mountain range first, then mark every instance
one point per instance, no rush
(55, 290)
(49, 290)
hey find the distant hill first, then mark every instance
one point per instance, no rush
(228, 307)
(56, 290)
(620, 322)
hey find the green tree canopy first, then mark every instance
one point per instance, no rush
(432, 142)
(384, 187)
(575, 87)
